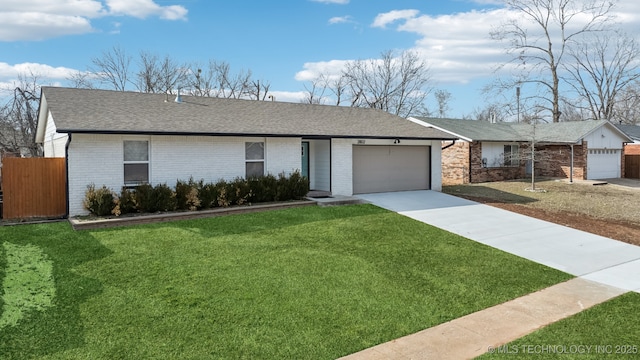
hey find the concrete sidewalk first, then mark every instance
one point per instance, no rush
(475, 334)
(576, 252)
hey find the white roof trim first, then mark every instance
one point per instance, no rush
(426, 124)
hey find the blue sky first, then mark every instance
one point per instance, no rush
(283, 42)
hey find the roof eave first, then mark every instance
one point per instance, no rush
(306, 136)
(426, 124)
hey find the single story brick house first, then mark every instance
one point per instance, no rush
(120, 139)
(498, 151)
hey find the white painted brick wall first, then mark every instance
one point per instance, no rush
(209, 158)
(93, 159)
(99, 159)
(342, 167)
(436, 165)
(283, 155)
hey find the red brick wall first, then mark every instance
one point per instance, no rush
(482, 174)
(555, 161)
(632, 149)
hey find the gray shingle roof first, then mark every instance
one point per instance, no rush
(564, 132)
(633, 131)
(104, 111)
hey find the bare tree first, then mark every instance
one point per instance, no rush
(398, 85)
(217, 80)
(315, 89)
(19, 117)
(539, 41)
(627, 106)
(443, 97)
(326, 88)
(490, 113)
(600, 71)
(81, 80)
(259, 90)
(160, 75)
(113, 68)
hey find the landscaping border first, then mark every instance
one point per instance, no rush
(89, 224)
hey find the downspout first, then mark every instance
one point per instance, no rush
(470, 162)
(450, 145)
(66, 165)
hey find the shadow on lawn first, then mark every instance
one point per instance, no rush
(59, 327)
(487, 194)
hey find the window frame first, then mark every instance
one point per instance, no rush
(248, 161)
(146, 162)
(513, 161)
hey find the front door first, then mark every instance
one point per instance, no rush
(305, 159)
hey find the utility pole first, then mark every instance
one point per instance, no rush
(518, 101)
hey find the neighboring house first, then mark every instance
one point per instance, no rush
(498, 151)
(633, 132)
(126, 138)
(631, 151)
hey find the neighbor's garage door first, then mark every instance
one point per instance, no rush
(390, 168)
(603, 164)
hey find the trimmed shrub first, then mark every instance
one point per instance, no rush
(143, 198)
(127, 201)
(187, 195)
(238, 192)
(163, 198)
(191, 195)
(207, 195)
(100, 202)
(299, 185)
(264, 188)
(293, 187)
(222, 198)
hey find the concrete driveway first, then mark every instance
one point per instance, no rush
(633, 184)
(573, 251)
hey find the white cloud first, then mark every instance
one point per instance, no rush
(312, 70)
(46, 75)
(39, 26)
(23, 20)
(145, 8)
(340, 2)
(341, 20)
(43, 71)
(458, 46)
(382, 20)
(86, 8)
(288, 96)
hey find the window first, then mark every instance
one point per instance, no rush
(511, 155)
(254, 156)
(136, 162)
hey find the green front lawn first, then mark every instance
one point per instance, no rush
(606, 331)
(301, 283)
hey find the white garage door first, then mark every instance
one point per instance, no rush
(603, 164)
(390, 168)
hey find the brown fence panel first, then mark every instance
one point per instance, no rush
(34, 187)
(632, 166)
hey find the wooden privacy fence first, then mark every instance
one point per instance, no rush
(34, 187)
(632, 166)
